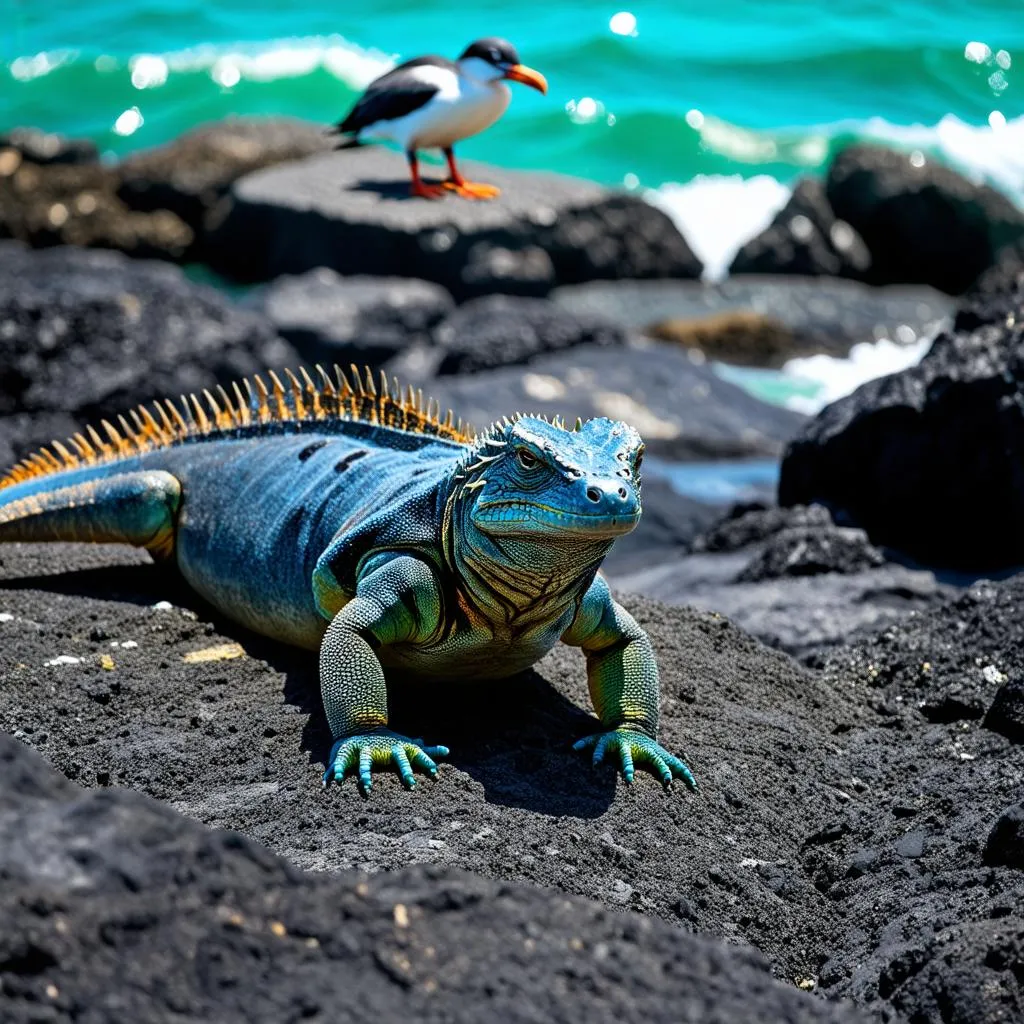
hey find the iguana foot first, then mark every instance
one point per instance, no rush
(380, 748)
(636, 748)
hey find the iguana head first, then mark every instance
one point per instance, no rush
(534, 479)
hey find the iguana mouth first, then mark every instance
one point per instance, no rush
(530, 519)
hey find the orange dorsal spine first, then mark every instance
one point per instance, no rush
(353, 398)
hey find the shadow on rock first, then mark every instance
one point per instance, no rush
(522, 758)
(385, 188)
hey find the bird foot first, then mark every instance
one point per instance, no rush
(473, 189)
(425, 191)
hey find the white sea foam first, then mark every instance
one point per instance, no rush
(355, 65)
(718, 213)
(838, 377)
(993, 152)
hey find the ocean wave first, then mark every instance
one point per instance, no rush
(646, 125)
(267, 61)
(809, 383)
(352, 64)
(992, 153)
(837, 377)
(718, 213)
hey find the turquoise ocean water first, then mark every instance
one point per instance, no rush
(710, 109)
(646, 93)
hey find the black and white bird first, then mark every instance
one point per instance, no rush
(432, 103)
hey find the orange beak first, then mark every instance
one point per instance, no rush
(534, 79)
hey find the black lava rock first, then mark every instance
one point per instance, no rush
(116, 908)
(930, 460)
(1005, 843)
(751, 522)
(502, 330)
(922, 222)
(1006, 715)
(191, 174)
(351, 211)
(367, 320)
(809, 551)
(44, 148)
(90, 334)
(806, 239)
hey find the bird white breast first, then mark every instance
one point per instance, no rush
(462, 106)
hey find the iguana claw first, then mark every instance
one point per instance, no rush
(636, 748)
(380, 748)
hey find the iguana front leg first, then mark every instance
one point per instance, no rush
(623, 680)
(396, 601)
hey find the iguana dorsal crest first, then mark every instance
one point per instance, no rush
(354, 397)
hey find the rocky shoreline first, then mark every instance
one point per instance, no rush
(848, 690)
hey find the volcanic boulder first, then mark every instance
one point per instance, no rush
(807, 239)
(922, 222)
(351, 211)
(930, 460)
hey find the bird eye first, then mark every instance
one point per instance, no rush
(526, 458)
(495, 56)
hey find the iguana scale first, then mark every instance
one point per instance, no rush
(349, 517)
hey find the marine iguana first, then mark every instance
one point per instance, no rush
(350, 517)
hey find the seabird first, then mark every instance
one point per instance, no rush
(432, 103)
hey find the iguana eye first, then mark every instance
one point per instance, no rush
(527, 459)
(638, 460)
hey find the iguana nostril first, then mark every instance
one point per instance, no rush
(593, 494)
(623, 494)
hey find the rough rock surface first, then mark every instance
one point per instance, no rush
(955, 962)
(334, 319)
(1005, 275)
(747, 523)
(802, 615)
(117, 908)
(807, 239)
(1005, 714)
(505, 330)
(790, 576)
(39, 147)
(798, 541)
(812, 551)
(837, 829)
(1005, 843)
(823, 315)
(922, 222)
(683, 410)
(351, 211)
(930, 460)
(89, 334)
(194, 172)
(72, 203)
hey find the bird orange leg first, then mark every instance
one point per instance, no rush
(467, 189)
(418, 187)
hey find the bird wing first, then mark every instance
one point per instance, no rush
(398, 92)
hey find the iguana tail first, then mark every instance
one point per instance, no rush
(94, 504)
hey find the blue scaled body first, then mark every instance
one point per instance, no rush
(337, 517)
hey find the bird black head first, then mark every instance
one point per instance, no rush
(499, 52)
(492, 59)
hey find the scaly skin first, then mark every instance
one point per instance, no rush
(343, 522)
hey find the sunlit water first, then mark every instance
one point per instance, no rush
(709, 110)
(716, 106)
